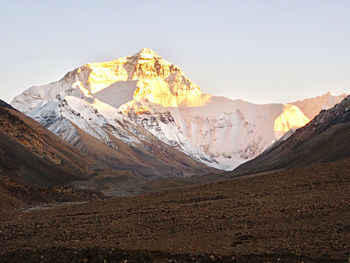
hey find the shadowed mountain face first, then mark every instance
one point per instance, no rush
(35, 163)
(324, 139)
(31, 153)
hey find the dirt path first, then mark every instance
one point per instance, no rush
(51, 206)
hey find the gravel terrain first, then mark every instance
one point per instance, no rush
(300, 215)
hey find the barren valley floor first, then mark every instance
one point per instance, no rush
(300, 215)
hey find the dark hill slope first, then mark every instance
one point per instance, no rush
(33, 154)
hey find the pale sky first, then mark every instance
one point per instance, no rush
(261, 51)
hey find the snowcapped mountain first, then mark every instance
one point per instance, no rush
(324, 139)
(312, 106)
(141, 98)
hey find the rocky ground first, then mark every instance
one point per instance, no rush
(17, 194)
(300, 215)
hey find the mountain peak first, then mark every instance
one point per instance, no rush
(146, 53)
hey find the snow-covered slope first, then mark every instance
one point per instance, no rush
(324, 139)
(136, 97)
(312, 106)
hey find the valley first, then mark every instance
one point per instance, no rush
(129, 161)
(174, 131)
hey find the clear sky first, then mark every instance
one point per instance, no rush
(257, 50)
